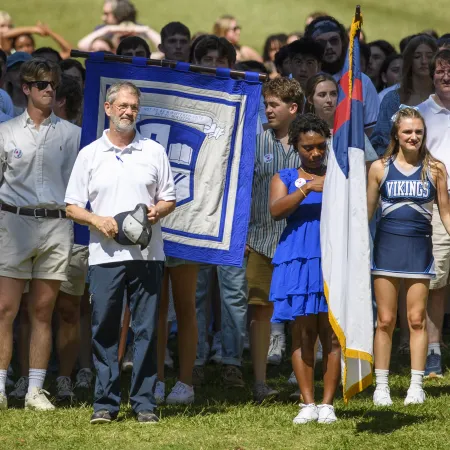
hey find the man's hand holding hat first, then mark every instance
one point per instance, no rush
(153, 215)
(106, 225)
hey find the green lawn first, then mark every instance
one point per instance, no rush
(229, 420)
(383, 18)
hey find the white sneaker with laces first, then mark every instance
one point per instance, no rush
(275, 354)
(3, 401)
(181, 394)
(382, 396)
(292, 381)
(36, 399)
(64, 390)
(84, 379)
(415, 396)
(160, 392)
(20, 389)
(308, 413)
(326, 414)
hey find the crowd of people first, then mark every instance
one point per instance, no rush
(62, 294)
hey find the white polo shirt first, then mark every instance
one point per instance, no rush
(437, 120)
(114, 181)
(370, 99)
(37, 162)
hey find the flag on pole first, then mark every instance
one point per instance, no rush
(344, 230)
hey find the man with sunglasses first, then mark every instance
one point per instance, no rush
(37, 153)
(332, 35)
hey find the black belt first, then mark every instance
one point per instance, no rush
(39, 213)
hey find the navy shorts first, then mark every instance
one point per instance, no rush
(400, 256)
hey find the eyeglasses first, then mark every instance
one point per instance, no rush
(41, 85)
(236, 28)
(123, 107)
(333, 41)
(441, 73)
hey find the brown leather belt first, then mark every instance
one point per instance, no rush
(39, 213)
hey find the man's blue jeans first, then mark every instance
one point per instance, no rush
(108, 284)
(233, 296)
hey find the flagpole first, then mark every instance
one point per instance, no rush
(163, 63)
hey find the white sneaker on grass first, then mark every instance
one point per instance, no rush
(160, 392)
(308, 413)
(36, 399)
(20, 389)
(382, 396)
(181, 394)
(326, 414)
(415, 396)
(3, 401)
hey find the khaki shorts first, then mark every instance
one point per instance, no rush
(76, 272)
(441, 252)
(34, 248)
(259, 277)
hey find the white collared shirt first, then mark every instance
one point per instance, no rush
(437, 120)
(115, 181)
(37, 163)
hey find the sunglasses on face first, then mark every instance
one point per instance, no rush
(41, 85)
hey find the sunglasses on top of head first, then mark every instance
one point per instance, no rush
(41, 85)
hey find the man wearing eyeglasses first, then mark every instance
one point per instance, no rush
(436, 113)
(115, 173)
(37, 153)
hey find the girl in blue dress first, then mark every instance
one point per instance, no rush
(297, 285)
(408, 180)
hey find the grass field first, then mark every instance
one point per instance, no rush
(383, 19)
(229, 420)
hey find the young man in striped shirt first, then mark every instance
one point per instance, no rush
(283, 99)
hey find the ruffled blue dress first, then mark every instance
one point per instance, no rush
(297, 283)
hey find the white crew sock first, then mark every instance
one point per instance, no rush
(36, 378)
(416, 378)
(3, 374)
(436, 347)
(381, 376)
(277, 328)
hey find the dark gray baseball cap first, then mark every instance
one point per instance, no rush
(134, 227)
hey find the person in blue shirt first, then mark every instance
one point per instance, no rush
(297, 288)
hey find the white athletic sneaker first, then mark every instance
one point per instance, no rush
(292, 381)
(308, 413)
(216, 348)
(382, 396)
(160, 392)
(415, 396)
(326, 414)
(181, 394)
(84, 379)
(3, 401)
(275, 354)
(168, 360)
(64, 390)
(20, 389)
(37, 400)
(127, 362)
